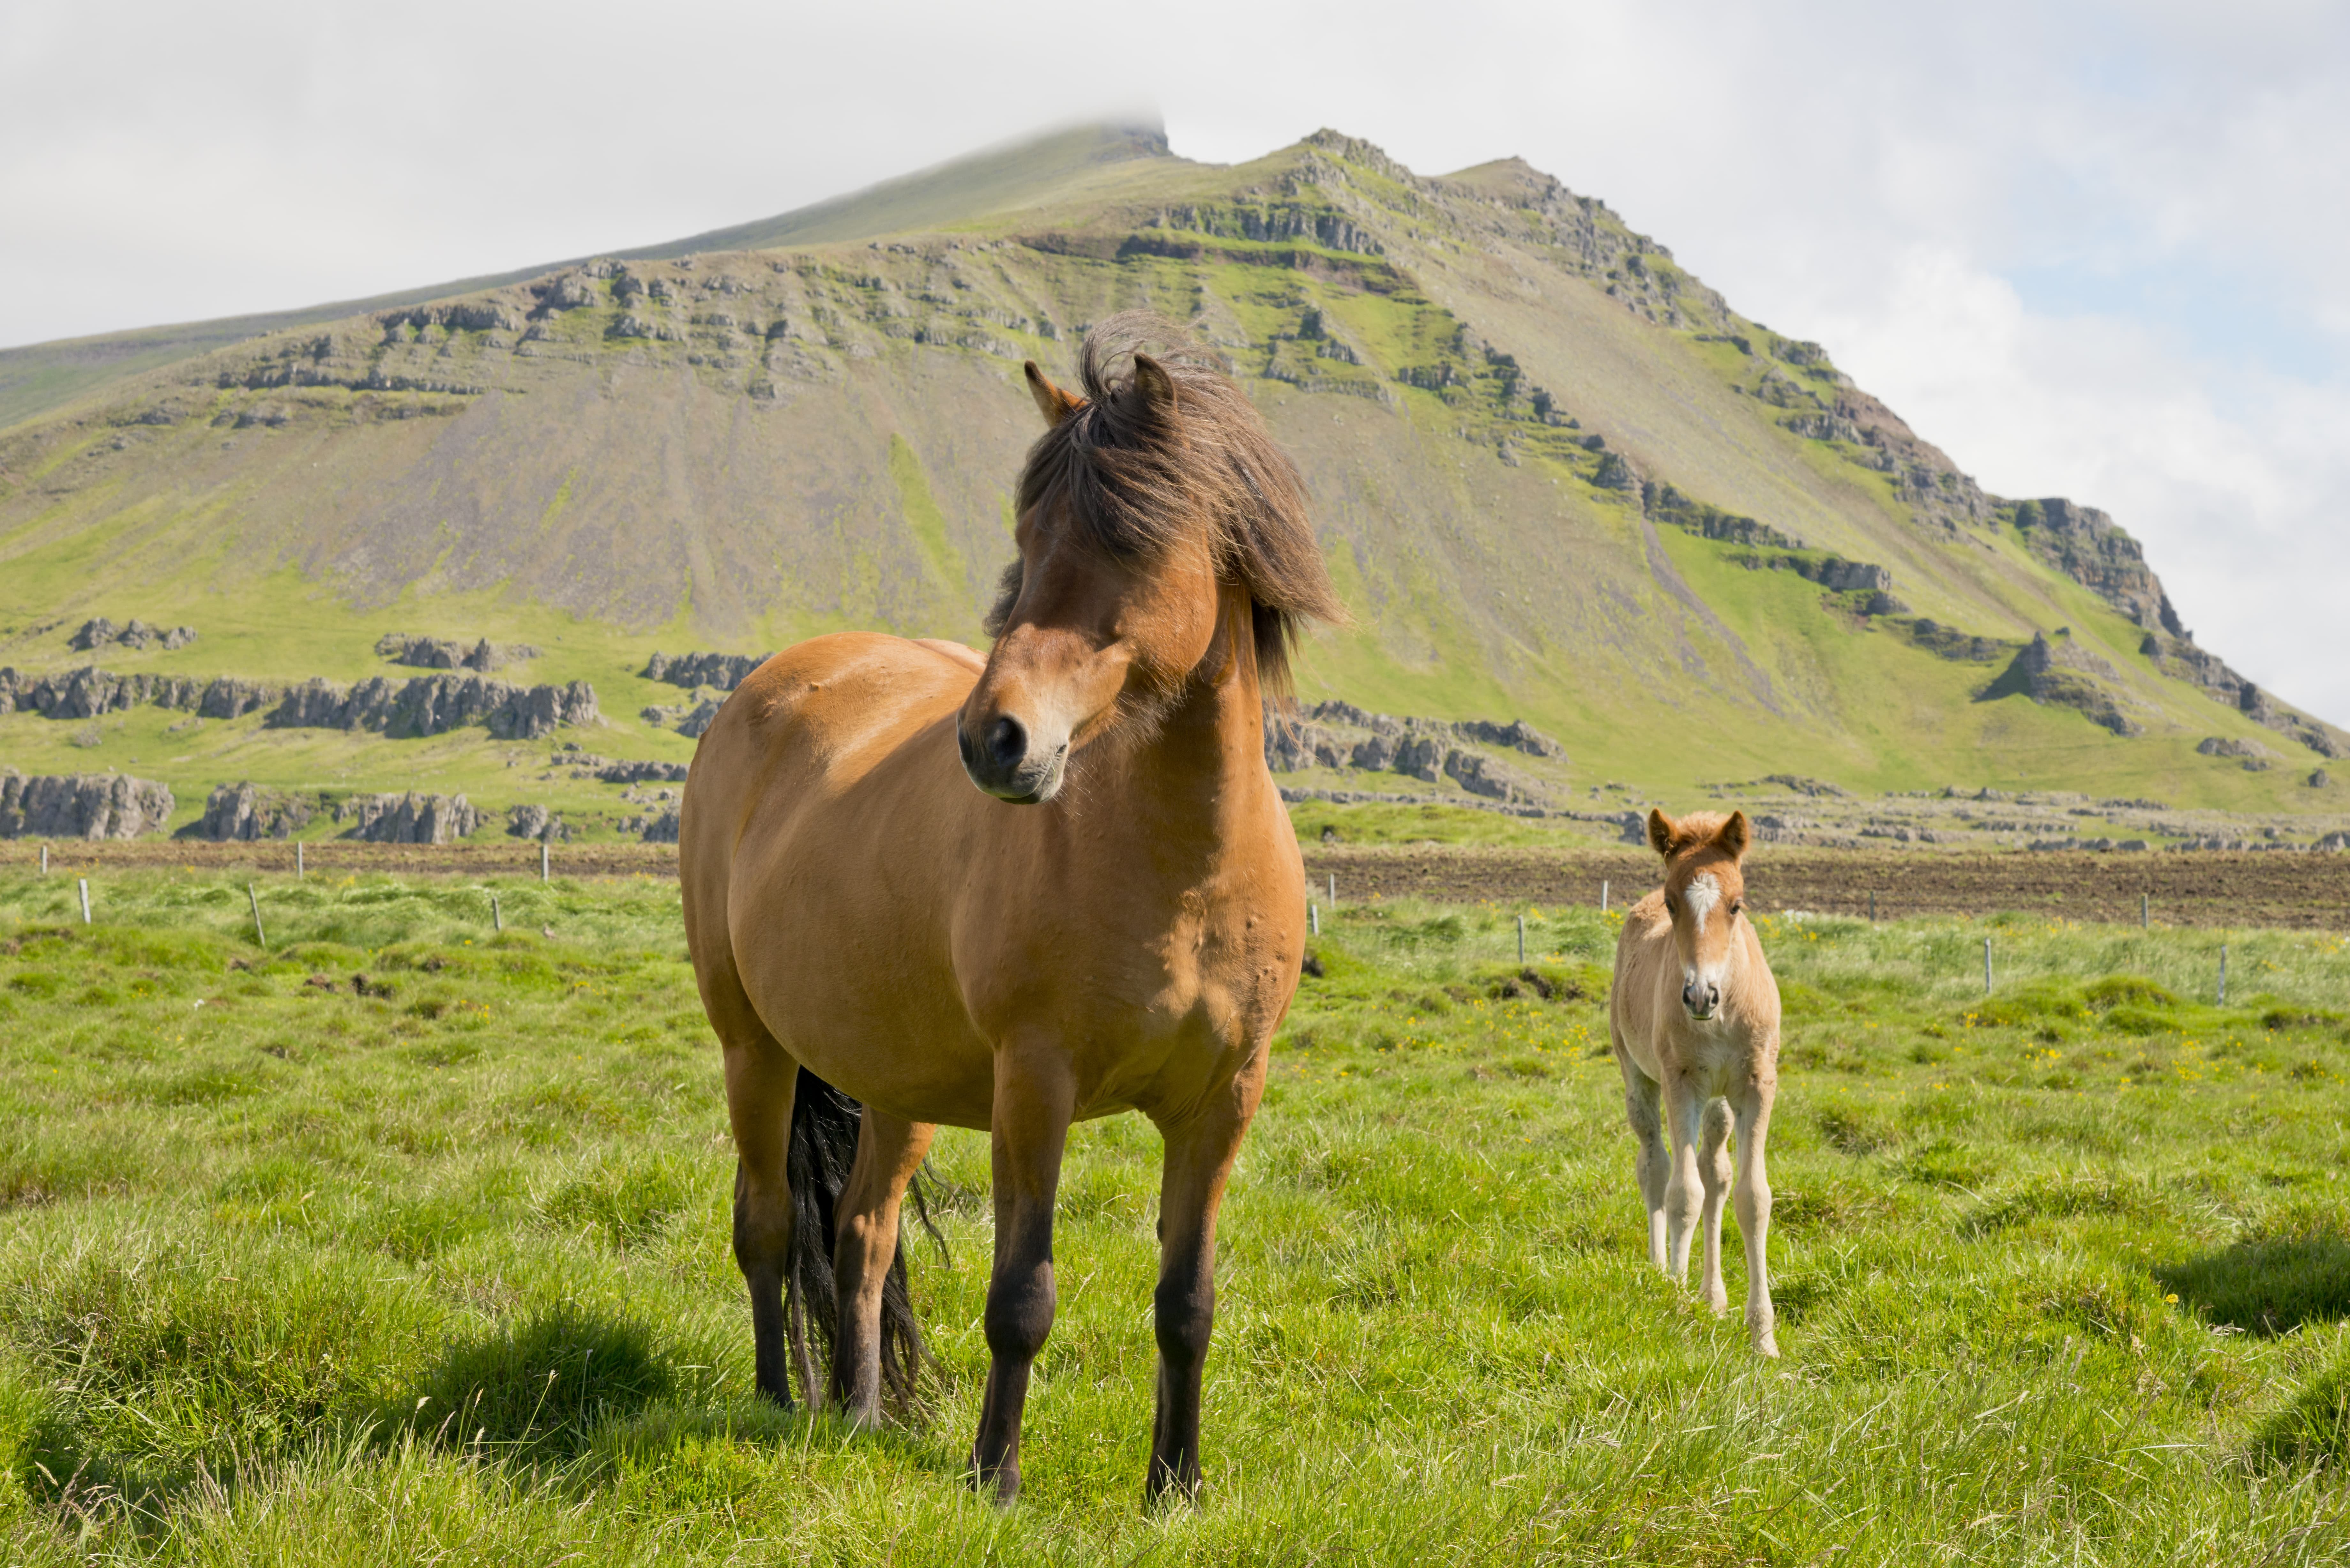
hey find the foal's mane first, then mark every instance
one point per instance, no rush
(1135, 482)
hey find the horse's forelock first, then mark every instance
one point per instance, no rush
(1136, 478)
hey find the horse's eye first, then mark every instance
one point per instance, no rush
(1738, 905)
(1672, 905)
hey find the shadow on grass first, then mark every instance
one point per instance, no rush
(533, 1392)
(2314, 1428)
(2268, 1285)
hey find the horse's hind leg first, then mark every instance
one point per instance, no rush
(760, 1078)
(1034, 1102)
(1199, 1157)
(1713, 1169)
(889, 1152)
(1642, 1108)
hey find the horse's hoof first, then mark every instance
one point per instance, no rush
(1001, 1487)
(1766, 1343)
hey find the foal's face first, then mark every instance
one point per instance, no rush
(1705, 896)
(1085, 642)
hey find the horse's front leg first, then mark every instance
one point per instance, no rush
(1713, 1169)
(889, 1152)
(1035, 1099)
(1684, 1112)
(1200, 1154)
(1751, 1107)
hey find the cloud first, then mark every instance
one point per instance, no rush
(2088, 247)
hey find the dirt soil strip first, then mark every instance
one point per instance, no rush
(2275, 888)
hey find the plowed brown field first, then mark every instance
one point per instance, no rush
(2270, 889)
(2262, 888)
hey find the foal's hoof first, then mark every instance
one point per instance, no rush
(1766, 1343)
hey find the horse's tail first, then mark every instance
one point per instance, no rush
(824, 1127)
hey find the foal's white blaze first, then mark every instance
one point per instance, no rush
(1703, 892)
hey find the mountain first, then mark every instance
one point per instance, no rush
(1558, 479)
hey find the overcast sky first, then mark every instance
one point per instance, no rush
(2093, 250)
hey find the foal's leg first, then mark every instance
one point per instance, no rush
(1642, 1108)
(1753, 1108)
(1683, 1108)
(1035, 1101)
(760, 1079)
(1713, 1169)
(1199, 1157)
(889, 1152)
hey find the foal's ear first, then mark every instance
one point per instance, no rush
(1052, 402)
(1662, 832)
(1732, 838)
(1154, 389)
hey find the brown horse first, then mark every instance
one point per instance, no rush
(1112, 919)
(1694, 1015)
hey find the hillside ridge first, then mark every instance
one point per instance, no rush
(1559, 479)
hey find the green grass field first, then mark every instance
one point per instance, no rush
(432, 1264)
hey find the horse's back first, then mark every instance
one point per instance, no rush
(1643, 951)
(824, 790)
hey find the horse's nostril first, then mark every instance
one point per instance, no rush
(1007, 742)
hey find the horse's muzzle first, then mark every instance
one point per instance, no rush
(1702, 998)
(1003, 761)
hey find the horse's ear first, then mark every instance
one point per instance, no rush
(1732, 838)
(1052, 402)
(1154, 389)
(1662, 832)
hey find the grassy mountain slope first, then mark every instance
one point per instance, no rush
(1556, 478)
(41, 376)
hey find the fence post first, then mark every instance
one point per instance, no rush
(84, 899)
(253, 898)
(2223, 974)
(1314, 918)
(1872, 906)
(542, 859)
(2145, 911)
(299, 869)
(1334, 889)
(45, 860)
(1986, 966)
(1603, 894)
(1522, 938)
(497, 922)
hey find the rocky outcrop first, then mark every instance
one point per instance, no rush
(81, 806)
(136, 635)
(452, 653)
(1667, 504)
(722, 670)
(700, 719)
(1949, 642)
(642, 773)
(436, 704)
(240, 811)
(408, 818)
(1429, 750)
(87, 692)
(660, 829)
(2179, 659)
(2060, 673)
(537, 822)
(2085, 544)
(226, 698)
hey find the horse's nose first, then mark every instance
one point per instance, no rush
(1701, 998)
(1007, 742)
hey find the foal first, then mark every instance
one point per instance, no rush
(1694, 1014)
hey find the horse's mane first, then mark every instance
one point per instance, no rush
(1134, 484)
